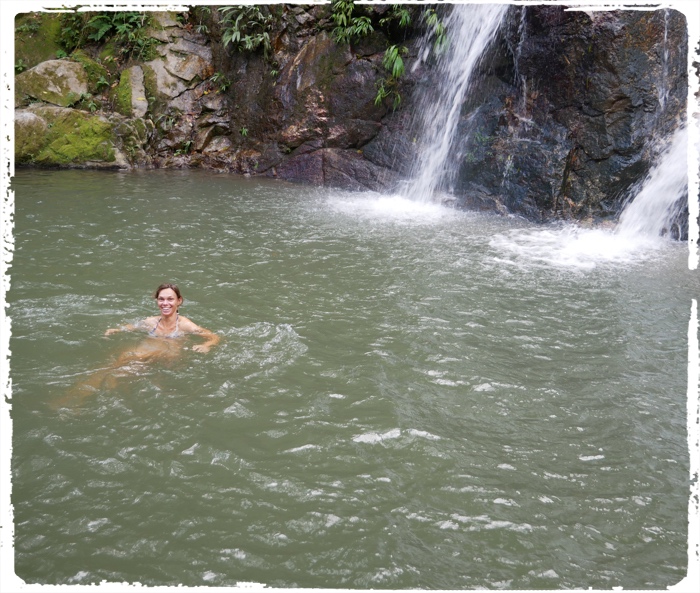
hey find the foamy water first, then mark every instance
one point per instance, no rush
(643, 230)
(653, 208)
(574, 247)
(389, 208)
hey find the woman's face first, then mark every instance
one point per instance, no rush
(168, 301)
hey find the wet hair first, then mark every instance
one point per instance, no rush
(162, 287)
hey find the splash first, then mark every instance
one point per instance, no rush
(653, 211)
(390, 208)
(645, 224)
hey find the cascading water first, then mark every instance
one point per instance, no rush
(663, 86)
(471, 30)
(654, 209)
(648, 217)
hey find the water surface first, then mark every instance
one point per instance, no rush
(405, 396)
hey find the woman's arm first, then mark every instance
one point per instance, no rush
(147, 323)
(210, 338)
(124, 328)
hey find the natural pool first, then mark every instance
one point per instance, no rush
(406, 396)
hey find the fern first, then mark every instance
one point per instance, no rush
(348, 27)
(247, 28)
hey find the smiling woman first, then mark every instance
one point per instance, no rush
(169, 324)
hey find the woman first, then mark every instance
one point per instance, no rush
(160, 345)
(169, 324)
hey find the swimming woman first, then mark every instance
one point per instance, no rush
(170, 324)
(161, 344)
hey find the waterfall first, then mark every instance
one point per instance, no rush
(519, 78)
(470, 28)
(652, 211)
(663, 86)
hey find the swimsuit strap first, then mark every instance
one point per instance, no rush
(155, 327)
(177, 325)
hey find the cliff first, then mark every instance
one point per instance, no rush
(564, 120)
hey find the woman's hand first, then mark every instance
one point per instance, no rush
(201, 348)
(124, 328)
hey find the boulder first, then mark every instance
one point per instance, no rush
(130, 94)
(162, 82)
(188, 67)
(59, 82)
(139, 103)
(30, 135)
(72, 139)
(62, 137)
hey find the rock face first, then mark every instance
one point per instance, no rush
(561, 123)
(594, 92)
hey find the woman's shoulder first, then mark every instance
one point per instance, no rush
(188, 325)
(148, 323)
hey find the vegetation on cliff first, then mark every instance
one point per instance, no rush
(558, 124)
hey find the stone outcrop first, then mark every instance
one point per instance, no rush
(59, 82)
(573, 124)
(58, 136)
(561, 122)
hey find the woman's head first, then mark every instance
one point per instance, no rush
(172, 287)
(168, 287)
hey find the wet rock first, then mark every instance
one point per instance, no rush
(394, 146)
(338, 168)
(347, 169)
(352, 92)
(303, 168)
(566, 127)
(352, 133)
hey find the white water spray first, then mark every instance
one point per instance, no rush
(471, 28)
(652, 211)
(647, 217)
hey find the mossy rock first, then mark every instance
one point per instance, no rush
(30, 135)
(37, 37)
(109, 51)
(95, 71)
(122, 94)
(72, 137)
(60, 82)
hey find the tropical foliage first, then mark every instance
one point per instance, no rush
(127, 30)
(247, 28)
